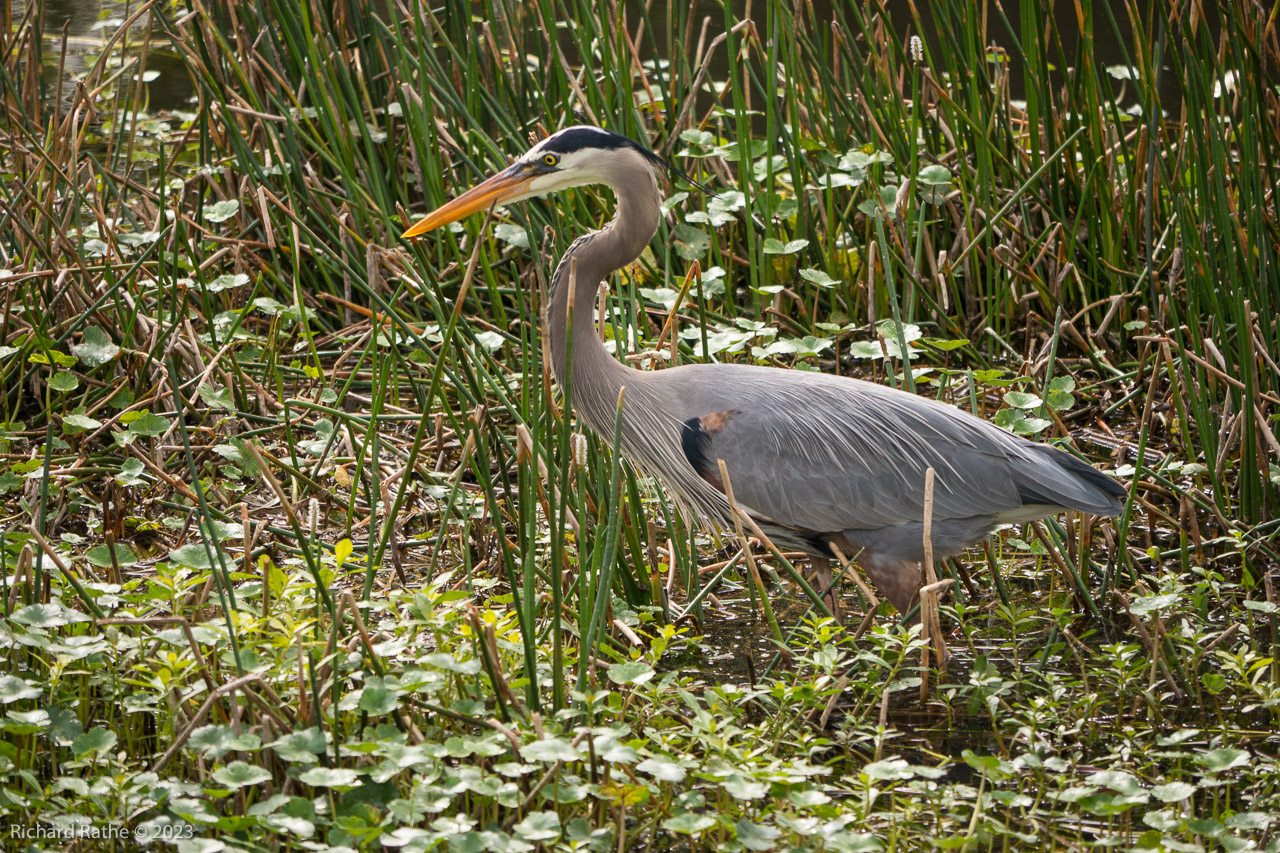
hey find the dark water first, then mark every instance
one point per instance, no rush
(85, 27)
(1108, 45)
(82, 21)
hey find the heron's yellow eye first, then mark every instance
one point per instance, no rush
(550, 159)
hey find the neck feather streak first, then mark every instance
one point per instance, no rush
(597, 376)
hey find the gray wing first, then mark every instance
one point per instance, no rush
(827, 453)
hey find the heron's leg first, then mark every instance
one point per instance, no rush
(825, 586)
(898, 580)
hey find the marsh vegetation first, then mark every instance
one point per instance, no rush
(301, 549)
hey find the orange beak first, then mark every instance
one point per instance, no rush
(508, 185)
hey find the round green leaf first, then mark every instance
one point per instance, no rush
(97, 348)
(300, 746)
(632, 672)
(935, 175)
(194, 556)
(51, 615)
(330, 777)
(227, 281)
(662, 769)
(238, 774)
(101, 555)
(130, 473)
(80, 422)
(216, 397)
(214, 741)
(819, 278)
(378, 700)
(490, 340)
(808, 798)
(1153, 603)
(64, 381)
(13, 688)
(1022, 400)
(94, 740)
(774, 246)
(222, 211)
(755, 836)
(512, 235)
(742, 788)
(288, 824)
(891, 769)
(150, 425)
(1225, 758)
(539, 826)
(549, 749)
(689, 823)
(1173, 792)
(690, 243)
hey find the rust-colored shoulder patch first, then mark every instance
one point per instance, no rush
(717, 421)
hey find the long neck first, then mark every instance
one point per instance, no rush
(592, 257)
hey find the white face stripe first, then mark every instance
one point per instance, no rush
(590, 155)
(594, 156)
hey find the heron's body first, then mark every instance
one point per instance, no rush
(817, 459)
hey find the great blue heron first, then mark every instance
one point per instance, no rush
(818, 460)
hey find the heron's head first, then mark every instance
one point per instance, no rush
(568, 158)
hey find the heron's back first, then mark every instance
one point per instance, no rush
(830, 453)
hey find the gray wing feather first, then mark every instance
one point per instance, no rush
(831, 453)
